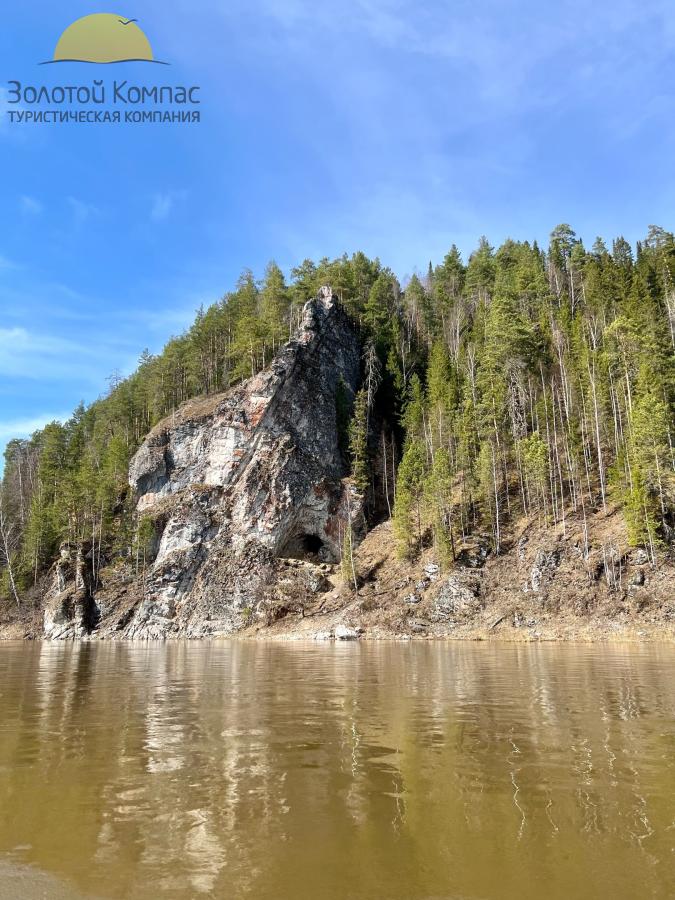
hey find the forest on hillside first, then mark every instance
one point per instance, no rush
(522, 382)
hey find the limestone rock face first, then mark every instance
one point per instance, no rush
(70, 610)
(235, 481)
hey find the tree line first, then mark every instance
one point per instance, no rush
(522, 382)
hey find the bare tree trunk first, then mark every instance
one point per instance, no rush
(557, 458)
(351, 544)
(496, 490)
(386, 481)
(660, 484)
(601, 467)
(7, 538)
(551, 475)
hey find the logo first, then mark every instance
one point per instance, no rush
(104, 38)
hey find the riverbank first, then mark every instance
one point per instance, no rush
(581, 583)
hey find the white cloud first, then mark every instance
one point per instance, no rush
(30, 206)
(163, 203)
(161, 207)
(170, 321)
(23, 428)
(16, 429)
(30, 355)
(82, 211)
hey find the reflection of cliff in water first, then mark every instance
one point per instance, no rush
(345, 770)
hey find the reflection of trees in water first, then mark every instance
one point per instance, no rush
(195, 767)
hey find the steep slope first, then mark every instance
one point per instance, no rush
(583, 582)
(230, 484)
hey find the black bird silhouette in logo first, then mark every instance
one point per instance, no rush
(126, 21)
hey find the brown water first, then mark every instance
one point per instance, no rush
(336, 771)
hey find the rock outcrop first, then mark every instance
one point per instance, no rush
(70, 610)
(234, 484)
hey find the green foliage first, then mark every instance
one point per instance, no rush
(534, 453)
(414, 410)
(358, 442)
(486, 466)
(275, 304)
(342, 415)
(439, 504)
(378, 311)
(408, 509)
(651, 488)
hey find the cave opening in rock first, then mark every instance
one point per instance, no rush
(307, 546)
(312, 543)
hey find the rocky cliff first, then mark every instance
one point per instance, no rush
(230, 488)
(242, 502)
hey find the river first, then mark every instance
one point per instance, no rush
(369, 770)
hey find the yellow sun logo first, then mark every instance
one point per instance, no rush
(103, 38)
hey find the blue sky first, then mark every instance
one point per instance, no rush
(389, 126)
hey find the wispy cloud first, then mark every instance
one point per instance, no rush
(163, 204)
(82, 211)
(23, 428)
(30, 206)
(26, 354)
(169, 321)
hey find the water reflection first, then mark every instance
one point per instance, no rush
(365, 771)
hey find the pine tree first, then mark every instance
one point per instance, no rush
(652, 478)
(439, 502)
(274, 308)
(442, 395)
(414, 411)
(409, 507)
(378, 310)
(358, 442)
